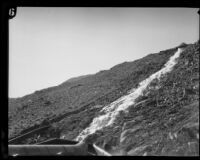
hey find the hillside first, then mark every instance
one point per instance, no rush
(71, 80)
(163, 121)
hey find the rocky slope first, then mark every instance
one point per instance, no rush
(100, 88)
(163, 121)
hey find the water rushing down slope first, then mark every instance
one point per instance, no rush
(121, 104)
(85, 92)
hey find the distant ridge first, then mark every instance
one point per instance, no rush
(75, 79)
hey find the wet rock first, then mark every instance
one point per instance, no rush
(132, 122)
(128, 132)
(128, 124)
(137, 151)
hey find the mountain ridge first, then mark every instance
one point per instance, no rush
(101, 89)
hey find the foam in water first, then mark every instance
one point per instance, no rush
(121, 104)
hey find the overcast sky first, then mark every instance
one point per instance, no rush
(47, 46)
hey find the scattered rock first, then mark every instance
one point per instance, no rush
(128, 132)
(136, 151)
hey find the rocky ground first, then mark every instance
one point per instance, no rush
(163, 121)
(101, 88)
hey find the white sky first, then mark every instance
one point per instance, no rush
(47, 46)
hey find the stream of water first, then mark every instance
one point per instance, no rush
(122, 104)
